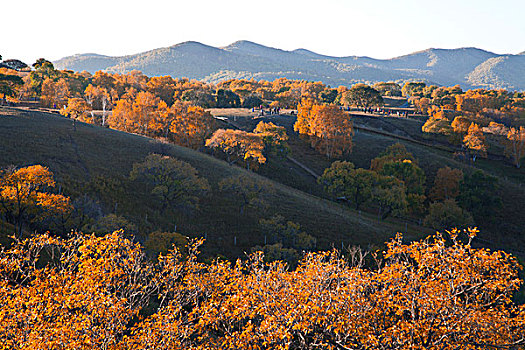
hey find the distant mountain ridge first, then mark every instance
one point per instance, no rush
(469, 67)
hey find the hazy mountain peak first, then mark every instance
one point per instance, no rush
(192, 44)
(250, 47)
(308, 53)
(244, 43)
(467, 66)
(90, 54)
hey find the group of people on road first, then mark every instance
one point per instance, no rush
(269, 111)
(379, 110)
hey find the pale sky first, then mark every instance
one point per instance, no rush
(378, 28)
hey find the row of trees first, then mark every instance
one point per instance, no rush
(55, 87)
(101, 293)
(477, 139)
(479, 120)
(396, 185)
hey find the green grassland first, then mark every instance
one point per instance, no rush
(96, 161)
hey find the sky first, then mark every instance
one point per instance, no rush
(377, 28)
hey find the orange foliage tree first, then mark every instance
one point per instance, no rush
(189, 125)
(136, 115)
(274, 137)
(329, 128)
(77, 109)
(239, 146)
(474, 141)
(54, 93)
(24, 194)
(83, 298)
(437, 123)
(516, 145)
(428, 294)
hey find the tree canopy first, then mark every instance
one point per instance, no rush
(362, 95)
(93, 292)
(174, 182)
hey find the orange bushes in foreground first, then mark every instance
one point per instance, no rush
(424, 295)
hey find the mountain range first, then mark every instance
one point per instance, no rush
(468, 67)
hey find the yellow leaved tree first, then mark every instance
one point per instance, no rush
(24, 194)
(438, 293)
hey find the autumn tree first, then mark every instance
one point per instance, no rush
(437, 123)
(89, 294)
(104, 80)
(44, 69)
(327, 302)
(139, 112)
(238, 146)
(144, 108)
(422, 104)
(274, 138)
(90, 94)
(332, 130)
(189, 125)
(77, 108)
(446, 184)
(329, 129)
(176, 183)
(474, 141)
(516, 145)
(460, 125)
(413, 89)
(84, 296)
(122, 116)
(495, 128)
(162, 87)
(362, 95)
(25, 195)
(54, 93)
(304, 117)
(98, 97)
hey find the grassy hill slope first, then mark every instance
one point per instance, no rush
(503, 230)
(91, 160)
